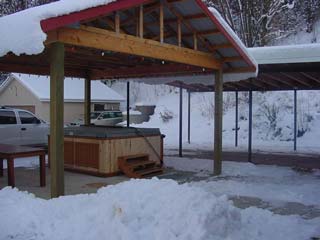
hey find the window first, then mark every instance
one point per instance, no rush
(106, 116)
(119, 114)
(27, 118)
(98, 107)
(7, 117)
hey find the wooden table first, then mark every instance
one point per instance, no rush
(10, 152)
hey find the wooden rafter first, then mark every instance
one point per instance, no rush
(280, 81)
(311, 77)
(296, 79)
(110, 41)
(188, 25)
(173, 20)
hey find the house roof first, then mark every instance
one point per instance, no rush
(73, 89)
(32, 25)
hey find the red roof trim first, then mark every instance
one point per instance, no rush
(61, 21)
(225, 33)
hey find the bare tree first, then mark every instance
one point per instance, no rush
(259, 22)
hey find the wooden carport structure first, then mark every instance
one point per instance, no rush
(126, 39)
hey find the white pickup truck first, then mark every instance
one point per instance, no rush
(21, 127)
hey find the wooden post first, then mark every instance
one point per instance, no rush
(87, 101)
(179, 31)
(189, 116)
(295, 122)
(237, 119)
(250, 128)
(117, 23)
(56, 119)
(10, 170)
(180, 123)
(141, 21)
(128, 104)
(195, 41)
(218, 105)
(161, 22)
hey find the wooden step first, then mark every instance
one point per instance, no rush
(149, 171)
(138, 166)
(141, 164)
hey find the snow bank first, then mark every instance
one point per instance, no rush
(138, 209)
(143, 209)
(26, 35)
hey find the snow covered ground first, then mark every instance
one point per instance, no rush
(272, 118)
(269, 183)
(164, 209)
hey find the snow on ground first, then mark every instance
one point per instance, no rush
(144, 209)
(279, 139)
(270, 183)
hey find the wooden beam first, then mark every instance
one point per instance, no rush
(161, 22)
(179, 32)
(56, 119)
(203, 33)
(195, 41)
(173, 20)
(140, 71)
(141, 21)
(87, 100)
(218, 115)
(110, 41)
(296, 79)
(117, 23)
(310, 76)
(279, 81)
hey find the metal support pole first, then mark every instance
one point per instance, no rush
(295, 122)
(218, 112)
(237, 125)
(180, 123)
(250, 128)
(56, 119)
(128, 104)
(87, 101)
(189, 117)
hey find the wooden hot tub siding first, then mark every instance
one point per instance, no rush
(99, 157)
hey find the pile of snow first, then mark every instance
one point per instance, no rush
(26, 35)
(143, 209)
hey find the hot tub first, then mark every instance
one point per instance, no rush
(95, 149)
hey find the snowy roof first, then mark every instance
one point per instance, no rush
(73, 89)
(26, 25)
(31, 25)
(303, 53)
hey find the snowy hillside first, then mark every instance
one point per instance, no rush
(272, 118)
